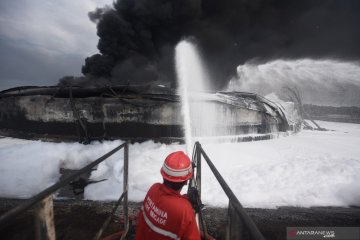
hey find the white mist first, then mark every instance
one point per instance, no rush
(322, 82)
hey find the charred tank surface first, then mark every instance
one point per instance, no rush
(136, 113)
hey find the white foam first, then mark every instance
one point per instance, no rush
(312, 168)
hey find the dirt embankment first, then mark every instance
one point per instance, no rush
(81, 219)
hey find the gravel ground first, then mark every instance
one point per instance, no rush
(80, 219)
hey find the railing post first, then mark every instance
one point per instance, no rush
(44, 219)
(125, 189)
(198, 169)
(234, 228)
(200, 219)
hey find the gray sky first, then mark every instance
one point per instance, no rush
(43, 40)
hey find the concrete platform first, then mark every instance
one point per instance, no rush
(81, 219)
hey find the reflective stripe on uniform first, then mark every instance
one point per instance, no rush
(157, 229)
(176, 173)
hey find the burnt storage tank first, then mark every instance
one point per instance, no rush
(136, 113)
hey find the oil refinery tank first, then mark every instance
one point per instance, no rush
(136, 113)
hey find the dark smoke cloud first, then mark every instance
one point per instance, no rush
(137, 38)
(97, 14)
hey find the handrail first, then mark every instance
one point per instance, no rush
(254, 231)
(195, 182)
(11, 214)
(125, 190)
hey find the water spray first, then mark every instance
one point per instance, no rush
(321, 82)
(191, 78)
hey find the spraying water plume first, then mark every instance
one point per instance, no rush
(191, 79)
(322, 82)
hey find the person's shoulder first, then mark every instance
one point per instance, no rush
(153, 189)
(155, 186)
(183, 202)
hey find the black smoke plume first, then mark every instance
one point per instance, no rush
(137, 38)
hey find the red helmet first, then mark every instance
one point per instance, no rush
(177, 167)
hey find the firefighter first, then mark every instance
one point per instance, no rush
(165, 213)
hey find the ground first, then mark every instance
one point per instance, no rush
(81, 219)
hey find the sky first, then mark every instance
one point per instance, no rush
(44, 40)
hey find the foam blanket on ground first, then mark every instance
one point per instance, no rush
(311, 168)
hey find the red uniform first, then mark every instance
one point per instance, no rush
(165, 215)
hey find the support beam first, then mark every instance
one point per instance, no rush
(44, 219)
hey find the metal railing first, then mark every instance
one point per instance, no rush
(43, 201)
(236, 211)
